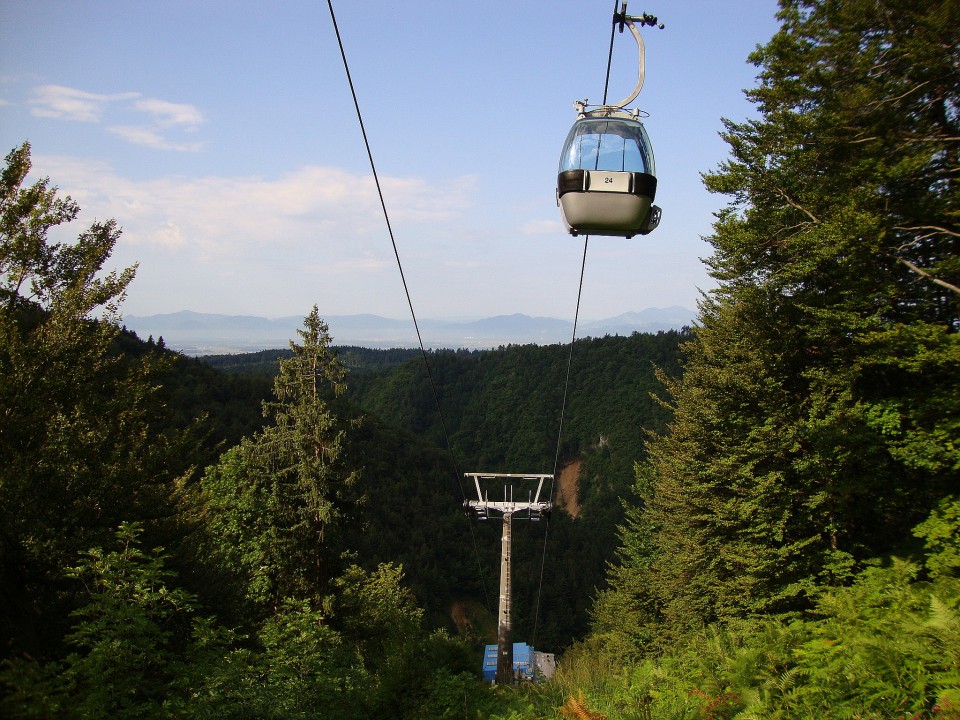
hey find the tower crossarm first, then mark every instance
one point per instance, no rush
(533, 506)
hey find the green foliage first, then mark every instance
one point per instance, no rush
(461, 695)
(885, 647)
(125, 637)
(56, 277)
(370, 603)
(816, 420)
(304, 670)
(78, 437)
(270, 505)
(140, 649)
(890, 645)
(941, 533)
(124, 632)
(626, 615)
(379, 619)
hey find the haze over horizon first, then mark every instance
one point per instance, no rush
(195, 333)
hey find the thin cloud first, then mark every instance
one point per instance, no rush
(352, 266)
(168, 234)
(64, 103)
(168, 114)
(146, 135)
(328, 209)
(163, 117)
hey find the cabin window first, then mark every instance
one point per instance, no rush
(607, 144)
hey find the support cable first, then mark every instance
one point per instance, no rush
(406, 290)
(556, 457)
(613, 27)
(566, 384)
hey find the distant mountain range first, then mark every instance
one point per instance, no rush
(195, 333)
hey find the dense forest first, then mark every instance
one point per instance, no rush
(766, 522)
(499, 412)
(166, 518)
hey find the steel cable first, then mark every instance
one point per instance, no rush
(406, 290)
(566, 384)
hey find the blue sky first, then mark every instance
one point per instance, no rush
(223, 139)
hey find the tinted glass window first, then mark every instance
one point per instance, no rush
(607, 144)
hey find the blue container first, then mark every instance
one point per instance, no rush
(524, 663)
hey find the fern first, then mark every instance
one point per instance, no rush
(576, 707)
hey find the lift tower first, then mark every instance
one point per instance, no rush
(533, 508)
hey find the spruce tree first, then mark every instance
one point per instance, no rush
(818, 415)
(272, 504)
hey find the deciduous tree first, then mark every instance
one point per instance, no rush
(76, 452)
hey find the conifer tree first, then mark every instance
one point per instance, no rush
(274, 501)
(818, 416)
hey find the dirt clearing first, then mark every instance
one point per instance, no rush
(567, 494)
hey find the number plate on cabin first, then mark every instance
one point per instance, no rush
(600, 181)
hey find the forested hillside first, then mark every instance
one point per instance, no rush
(166, 553)
(788, 554)
(179, 539)
(779, 533)
(500, 411)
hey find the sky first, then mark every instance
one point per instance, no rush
(222, 137)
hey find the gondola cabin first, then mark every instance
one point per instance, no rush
(607, 180)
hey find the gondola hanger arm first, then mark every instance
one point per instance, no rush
(631, 21)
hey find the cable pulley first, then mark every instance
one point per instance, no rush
(620, 19)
